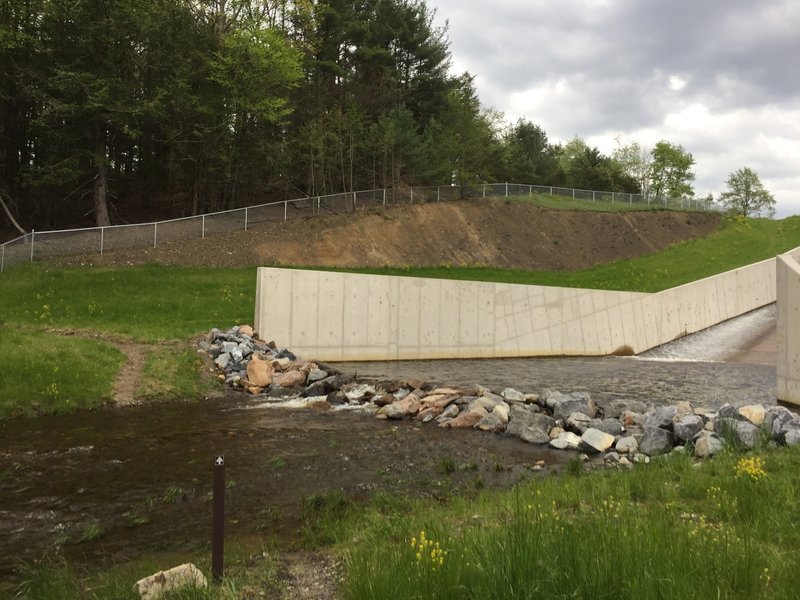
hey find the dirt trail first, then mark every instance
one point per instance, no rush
(130, 374)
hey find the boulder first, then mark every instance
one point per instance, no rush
(575, 402)
(578, 422)
(610, 426)
(316, 374)
(655, 440)
(448, 413)
(594, 440)
(748, 434)
(686, 427)
(408, 406)
(290, 379)
(246, 330)
(494, 421)
(259, 371)
(158, 584)
(566, 441)
(754, 413)
(530, 426)
(661, 417)
(222, 360)
(707, 444)
(512, 395)
(466, 419)
(792, 437)
(627, 445)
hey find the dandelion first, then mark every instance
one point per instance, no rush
(428, 552)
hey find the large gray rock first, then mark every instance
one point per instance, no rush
(728, 411)
(495, 421)
(566, 441)
(576, 402)
(661, 417)
(158, 584)
(686, 427)
(775, 418)
(578, 422)
(707, 444)
(512, 395)
(610, 426)
(613, 409)
(530, 426)
(748, 434)
(792, 437)
(627, 445)
(594, 440)
(655, 440)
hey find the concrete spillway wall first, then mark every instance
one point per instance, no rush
(346, 316)
(788, 327)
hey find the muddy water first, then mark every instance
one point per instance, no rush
(114, 484)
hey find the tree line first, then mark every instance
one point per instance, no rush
(115, 110)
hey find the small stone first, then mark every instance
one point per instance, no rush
(612, 457)
(156, 585)
(578, 422)
(246, 330)
(222, 360)
(316, 374)
(466, 419)
(408, 406)
(448, 413)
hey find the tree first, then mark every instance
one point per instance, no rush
(635, 161)
(746, 195)
(671, 173)
(529, 156)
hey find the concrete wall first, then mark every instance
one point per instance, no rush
(788, 327)
(344, 316)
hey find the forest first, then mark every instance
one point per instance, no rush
(115, 111)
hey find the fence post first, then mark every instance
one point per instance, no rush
(203, 230)
(573, 193)
(33, 239)
(412, 195)
(102, 236)
(155, 235)
(506, 189)
(484, 190)
(530, 190)
(592, 195)
(2, 258)
(285, 210)
(438, 191)
(245, 218)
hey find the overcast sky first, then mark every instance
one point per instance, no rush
(719, 77)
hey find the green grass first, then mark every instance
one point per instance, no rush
(737, 243)
(47, 374)
(147, 303)
(672, 529)
(567, 203)
(172, 374)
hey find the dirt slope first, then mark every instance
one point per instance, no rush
(495, 233)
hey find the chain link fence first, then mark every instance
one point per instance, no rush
(44, 244)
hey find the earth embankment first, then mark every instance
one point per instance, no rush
(494, 233)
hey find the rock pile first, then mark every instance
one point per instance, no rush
(623, 431)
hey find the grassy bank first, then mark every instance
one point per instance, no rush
(676, 528)
(737, 243)
(152, 304)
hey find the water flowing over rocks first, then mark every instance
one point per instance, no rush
(624, 431)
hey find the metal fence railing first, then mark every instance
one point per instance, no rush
(45, 244)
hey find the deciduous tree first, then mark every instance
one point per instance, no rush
(746, 195)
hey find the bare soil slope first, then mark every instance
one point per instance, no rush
(493, 233)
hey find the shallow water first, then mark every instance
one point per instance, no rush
(114, 484)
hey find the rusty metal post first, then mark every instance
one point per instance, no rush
(218, 519)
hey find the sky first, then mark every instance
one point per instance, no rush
(719, 77)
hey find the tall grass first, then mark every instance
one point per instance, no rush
(672, 529)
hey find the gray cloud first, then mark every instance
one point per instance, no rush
(600, 68)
